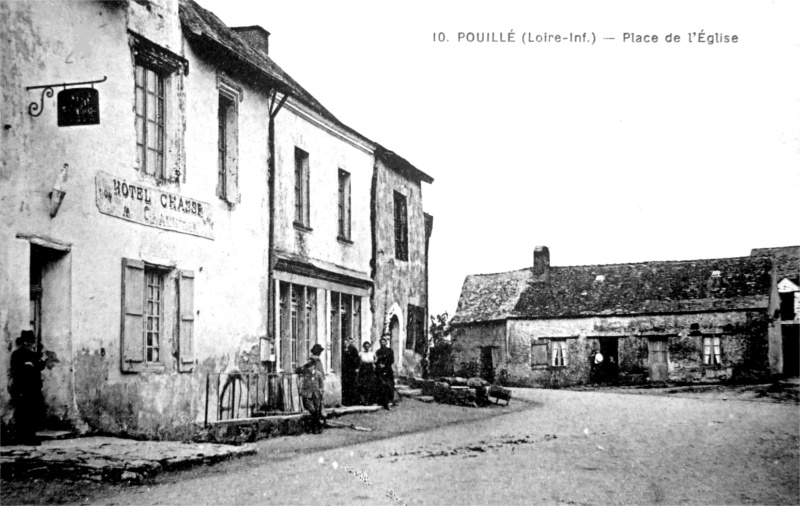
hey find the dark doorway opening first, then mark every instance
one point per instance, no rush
(487, 364)
(608, 370)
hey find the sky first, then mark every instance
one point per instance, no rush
(605, 151)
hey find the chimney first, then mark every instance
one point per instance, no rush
(541, 263)
(255, 36)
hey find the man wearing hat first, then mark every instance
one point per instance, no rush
(26, 387)
(313, 384)
(385, 361)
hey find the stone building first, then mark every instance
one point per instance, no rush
(174, 206)
(784, 342)
(401, 232)
(681, 321)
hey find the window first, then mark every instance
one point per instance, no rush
(158, 105)
(153, 309)
(559, 353)
(539, 355)
(344, 205)
(150, 309)
(228, 142)
(301, 204)
(150, 120)
(415, 330)
(345, 324)
(400, 227)
(711, 351)
(298, 306)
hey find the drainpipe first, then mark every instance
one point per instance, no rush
(273, 111)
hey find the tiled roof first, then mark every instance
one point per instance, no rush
(786, 260)
(204, 26)
(486, 297)
(400, 165)
(618, 289)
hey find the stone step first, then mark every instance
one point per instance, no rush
(424, 398)
(409, 392)
(51, 435)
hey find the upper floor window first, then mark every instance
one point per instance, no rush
(228, 140)
(227, 159)
(301, 197)
(344, 205)
(150, 120)
(158, 105)
(400, 227)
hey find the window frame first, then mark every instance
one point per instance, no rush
(154, 282)
(302, 204)
(143, 133)
(176, 317)
(712, 351)
(400, 204)
(344, 206)
(228, 141)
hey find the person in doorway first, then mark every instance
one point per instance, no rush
(595, 361)
(26, 388)
(385, 373)
(312, 388)
(366, 375)
(350, 364)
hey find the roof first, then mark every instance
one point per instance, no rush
(625, 289)
(786, 260)
(203, 26)
(400, 165)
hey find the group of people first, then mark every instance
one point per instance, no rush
(368, 376)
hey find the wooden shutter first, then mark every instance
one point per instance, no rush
(132, 325)
(539, 353)
(186, 320)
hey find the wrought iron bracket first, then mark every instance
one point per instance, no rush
(35, 109)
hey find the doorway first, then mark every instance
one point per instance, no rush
(487, 364)
(609, 368)
(50, 319)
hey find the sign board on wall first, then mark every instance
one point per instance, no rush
(78, 106)
(153, 207)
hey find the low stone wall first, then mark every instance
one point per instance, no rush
(247, 430)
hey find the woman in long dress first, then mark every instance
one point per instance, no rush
(366, 375)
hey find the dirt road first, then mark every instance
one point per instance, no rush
(563, 447)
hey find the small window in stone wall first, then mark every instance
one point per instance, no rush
(559, 353)
(712, 351)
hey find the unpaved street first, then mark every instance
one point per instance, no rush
(564, 447)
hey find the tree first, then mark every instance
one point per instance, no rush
(441, 349)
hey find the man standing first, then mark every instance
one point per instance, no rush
(385, 361)
(26, 388)
(350, 363)
(312, 388)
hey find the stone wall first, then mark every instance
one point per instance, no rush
(743, 337)
(398, 283)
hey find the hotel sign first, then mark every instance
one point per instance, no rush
(153, 207)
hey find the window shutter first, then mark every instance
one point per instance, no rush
(539, 352)
(232, 175)
(186, 323)
(132, 325)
